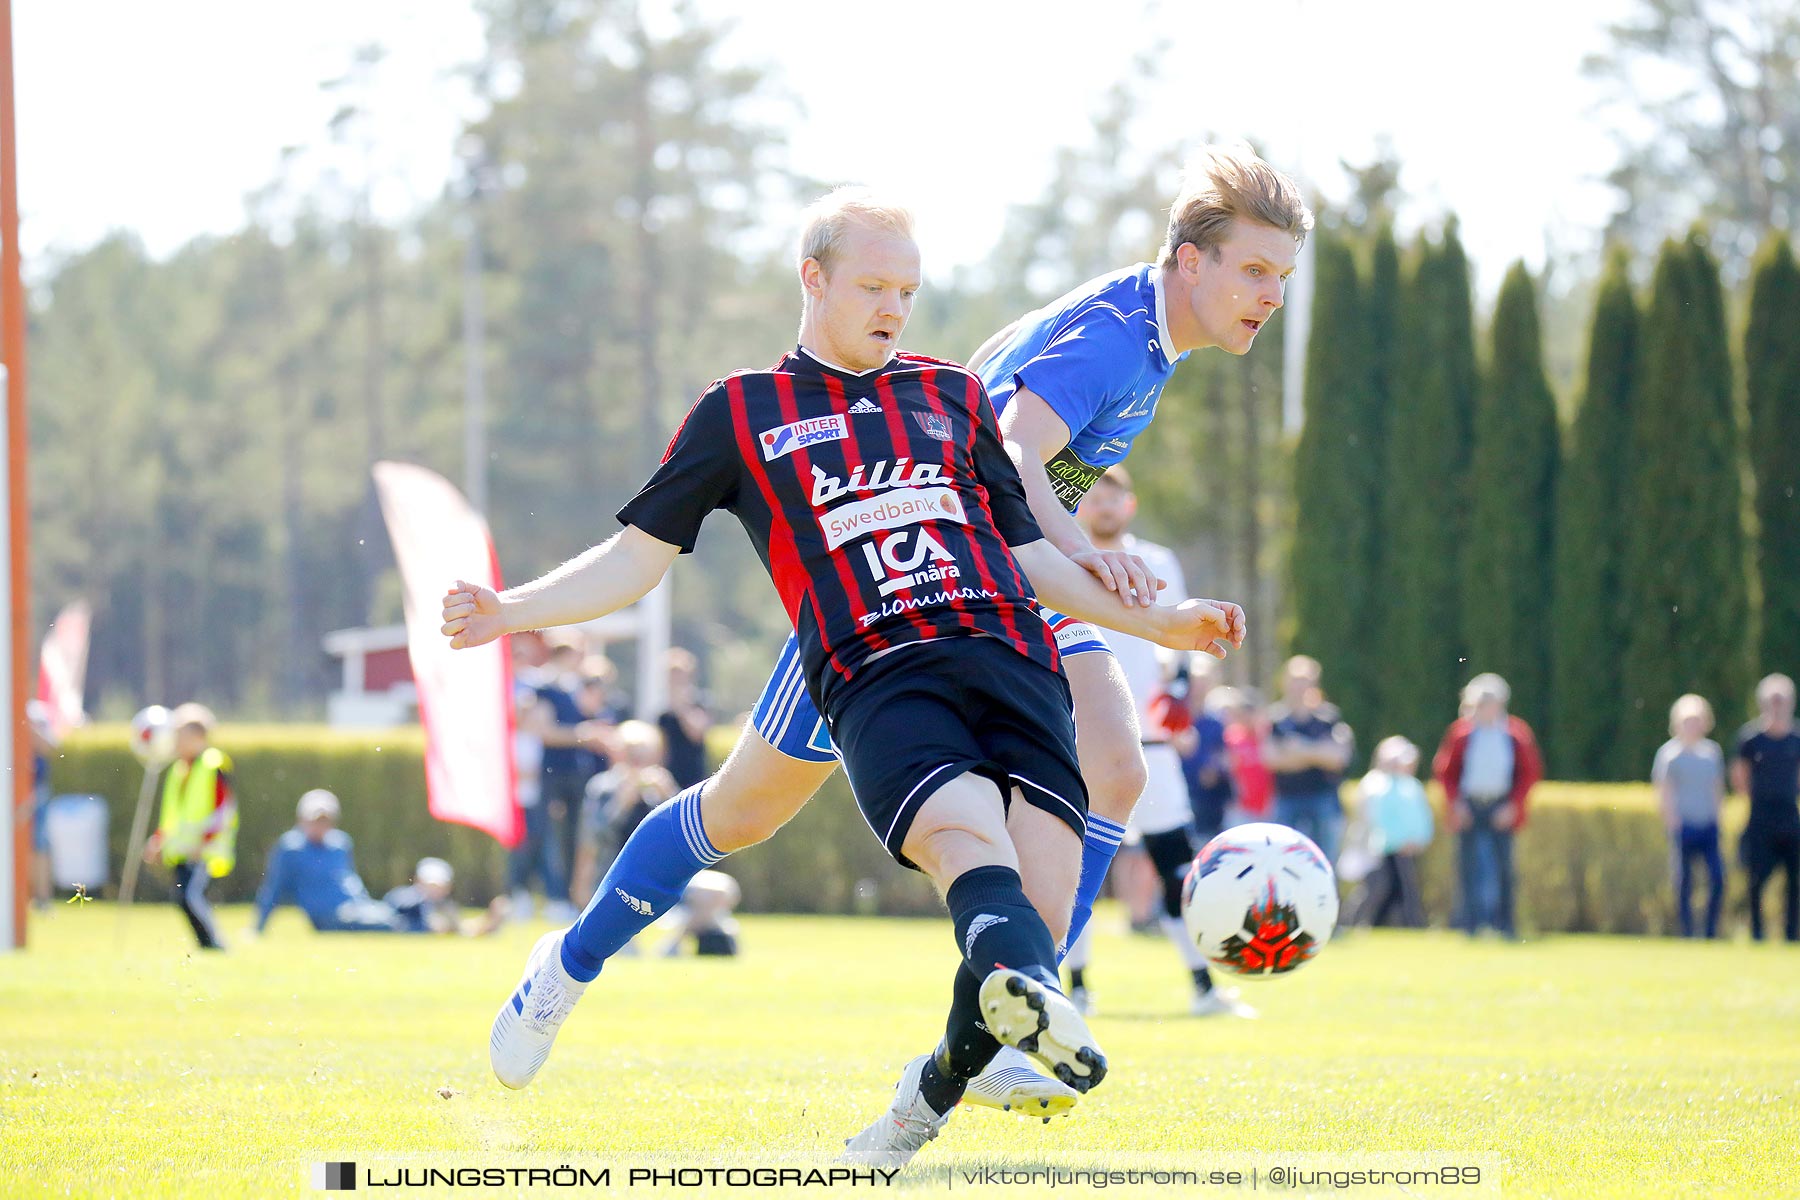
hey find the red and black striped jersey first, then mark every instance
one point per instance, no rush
(882, 505)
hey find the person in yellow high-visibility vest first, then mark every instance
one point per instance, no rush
(196, 837)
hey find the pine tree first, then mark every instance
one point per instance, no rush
(1335, 478)
(1772, 377)
(1588, 631)
(1685, 568)
(1381, 325)
(1430, 428)
(1512, 474)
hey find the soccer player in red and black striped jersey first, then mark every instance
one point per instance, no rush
(878, 493)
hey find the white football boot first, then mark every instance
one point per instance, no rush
(901, 1131)
(1011, 1084)
(523, 1032)
(1036, 1018)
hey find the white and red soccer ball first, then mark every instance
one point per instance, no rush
(1260, 900)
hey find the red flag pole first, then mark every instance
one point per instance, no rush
(12, 349)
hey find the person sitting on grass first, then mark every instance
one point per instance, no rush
(313, 867)
(425, 904)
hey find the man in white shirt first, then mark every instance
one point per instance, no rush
(1163, 817)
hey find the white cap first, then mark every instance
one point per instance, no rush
(434, 870)
(317, 803)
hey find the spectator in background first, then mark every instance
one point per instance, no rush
(196, 835)
(1205, 763)
(567, 733)
(43, 745)
(1488, 763)
(425, 904)
(536, 852)
(618, 799)
(705, 914)
(1308, 749)
(1767, 768)
(1396, 818)
(1246, 727)
(600, 700)
(313, 866)
(1689, 774)
(686, 721)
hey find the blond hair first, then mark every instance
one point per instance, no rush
(1396, 750)
(1772, 686)
(828, 220)
(1302, 666)
(1689, 705)
(1486, 686)
(1223, 183)
(194, 715)
(640, 743)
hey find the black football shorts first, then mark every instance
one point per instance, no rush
(915, 719)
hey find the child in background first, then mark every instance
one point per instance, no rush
(1397, 820)
(1689, 774)
(1246, 726)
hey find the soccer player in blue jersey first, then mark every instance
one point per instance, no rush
(879, 495)
(1074, 383)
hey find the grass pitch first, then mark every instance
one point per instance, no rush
(1585, 1066)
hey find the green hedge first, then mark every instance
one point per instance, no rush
(1592, 858)
(816, 865)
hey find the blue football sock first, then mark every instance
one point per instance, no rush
(645, 881)
(1097, 850)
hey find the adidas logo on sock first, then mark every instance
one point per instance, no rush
(977, 927)
(642, 907)
(865, 405)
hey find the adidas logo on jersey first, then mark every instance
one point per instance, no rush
(865, 405)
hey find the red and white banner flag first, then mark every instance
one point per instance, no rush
(465, 696)
(62, 668)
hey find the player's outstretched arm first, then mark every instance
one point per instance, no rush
(593, 584)
(1034, 435)
(1212, 626)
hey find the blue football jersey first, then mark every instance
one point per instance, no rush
(1099, 357)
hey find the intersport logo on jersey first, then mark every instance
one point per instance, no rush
(874, 478)
(788, 438)
(895, 510)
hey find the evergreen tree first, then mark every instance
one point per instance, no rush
(1685, 570)
(1381, 308)
(1512, 476)
(1335, 477)
(1430, 428)
(1588, 630)
(1772, 377)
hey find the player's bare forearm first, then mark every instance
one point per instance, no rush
(1069, 588)
(602, 580)
(617, 572)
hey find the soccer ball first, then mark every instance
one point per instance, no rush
(1260, 900)
(153, 736)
